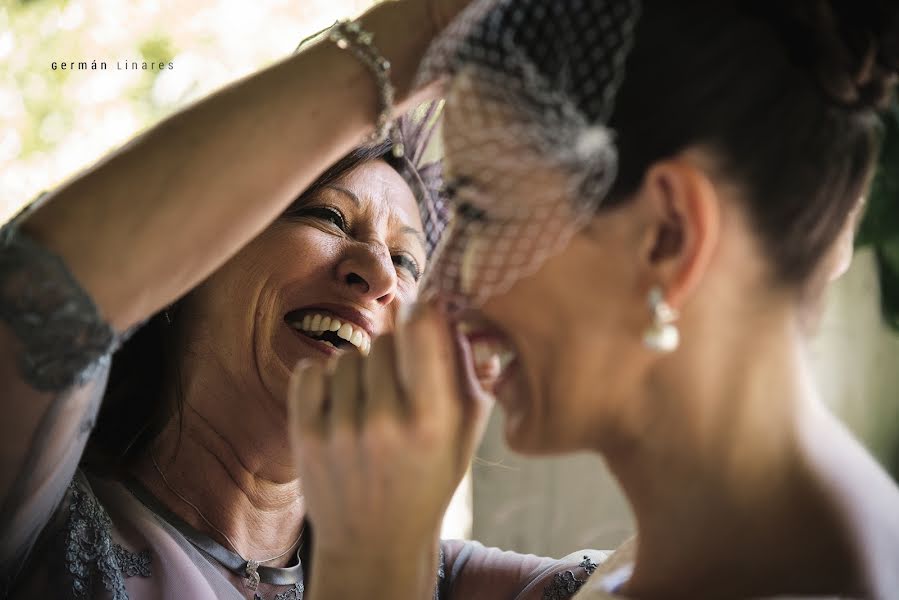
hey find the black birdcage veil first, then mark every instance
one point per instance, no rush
(528, 154)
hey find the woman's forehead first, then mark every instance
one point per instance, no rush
(377, 188)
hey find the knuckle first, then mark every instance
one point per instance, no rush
(383, 345)
(430, 433)
(343, 439)
(308, 450)
(381, 427)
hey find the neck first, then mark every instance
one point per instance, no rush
(731, 495)
(230, 484)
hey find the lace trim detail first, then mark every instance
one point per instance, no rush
(294, 593)
(132, 564)
(565, 585)
(588, 565)
(90, 554)
(441, 575)
(64, 337)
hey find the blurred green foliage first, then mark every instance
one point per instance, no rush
(47, 93)
(156, 48)
(880, 226)
(56, 121)
(30, 3)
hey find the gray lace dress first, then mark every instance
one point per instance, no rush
(66, 533)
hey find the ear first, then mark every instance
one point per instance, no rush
(844, 247)
(840, 258)
(684, 225)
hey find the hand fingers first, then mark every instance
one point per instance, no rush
(426, 364)
(488, 372)
(306, 399)
(382, 385)
(347, 394)
(471, 373)
(477, 403)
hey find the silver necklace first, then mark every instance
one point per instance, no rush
(252, 566)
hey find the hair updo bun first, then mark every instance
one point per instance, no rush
(782, 93)
(852, 46)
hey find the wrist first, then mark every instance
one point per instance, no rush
(404, 50)
(402, 572)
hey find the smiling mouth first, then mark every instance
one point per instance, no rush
(330, 330)
(492, 352)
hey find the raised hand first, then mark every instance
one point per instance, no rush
(381, 444)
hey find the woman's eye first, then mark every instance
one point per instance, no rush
(326, 214)
(449, 190)
(451, 187)
(407, 263)
(469, 212)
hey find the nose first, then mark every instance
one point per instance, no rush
(367, 269)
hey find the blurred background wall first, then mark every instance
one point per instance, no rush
(53, 123)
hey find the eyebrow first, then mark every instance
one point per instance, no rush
(347, 192)
(417, 234)
(407, 229)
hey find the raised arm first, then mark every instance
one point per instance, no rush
(144, 225)
(147, 223)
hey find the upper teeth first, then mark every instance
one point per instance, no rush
(486, 351)
(318, 323)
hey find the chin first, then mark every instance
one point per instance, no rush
(523, 445)
(532, 434)
(525, 434)
(275, 381)
(534, 442)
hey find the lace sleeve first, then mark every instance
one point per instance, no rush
(63, 336)
(54, 355)
(474, 572)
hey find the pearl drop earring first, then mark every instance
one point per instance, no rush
(662, 336)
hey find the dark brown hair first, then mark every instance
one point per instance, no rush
(784, 93)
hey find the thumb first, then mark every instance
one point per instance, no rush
(426, 363)
(477, 402)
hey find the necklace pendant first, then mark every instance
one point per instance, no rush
(252, 580)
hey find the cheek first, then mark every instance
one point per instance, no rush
(250, 286)
(291, 246)
(216, 321)
(293, 255)
(573, 322)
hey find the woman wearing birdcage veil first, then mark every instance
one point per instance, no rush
(648, 202)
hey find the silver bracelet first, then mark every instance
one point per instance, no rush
(348, 35)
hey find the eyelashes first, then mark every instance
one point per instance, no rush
(470, 212)
(333, 216)
(326, 213)
(404, 261)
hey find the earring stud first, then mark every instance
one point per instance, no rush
(662, 336)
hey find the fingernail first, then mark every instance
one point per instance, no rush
(302, 365)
